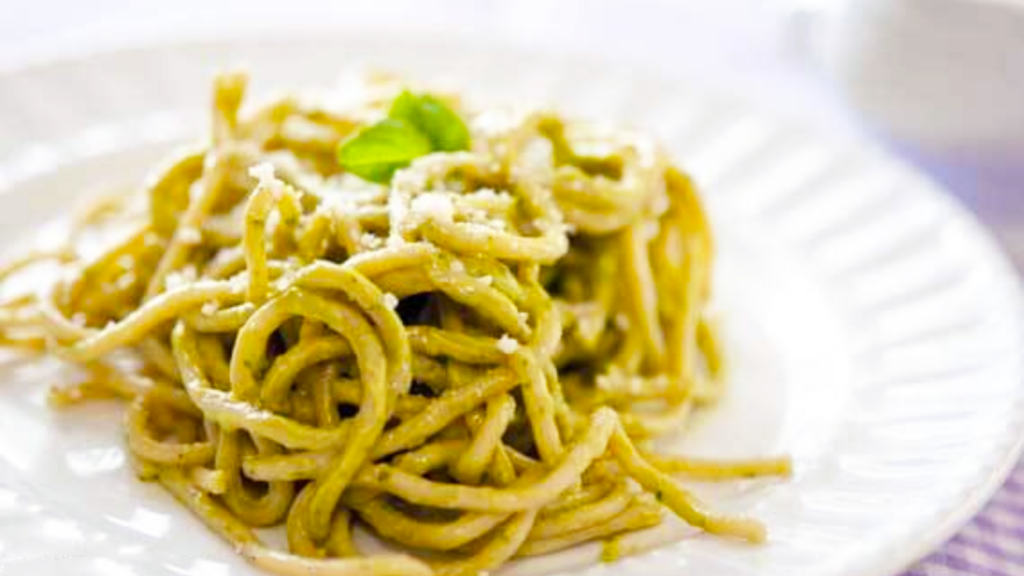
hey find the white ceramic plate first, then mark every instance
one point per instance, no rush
(874, 331)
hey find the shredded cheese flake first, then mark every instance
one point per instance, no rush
(174, 280)
(488, 194)
(190, 235)
(264, 173)
(125, 281)
(371, 240)
(178, 278)
(436, 206)
(508, 344)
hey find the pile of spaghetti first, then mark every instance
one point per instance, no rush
(460, 328)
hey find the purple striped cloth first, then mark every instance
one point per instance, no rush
(991, 545)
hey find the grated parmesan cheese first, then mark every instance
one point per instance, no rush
(488, 280)
(174, 280)
(487, 194)
(266, 177)
(178, 278)
(390, 300)
(125, 281)
(264, 173)
(371, 240)
(190, 235)
(507, 344)
(209, 308)
(435, 206)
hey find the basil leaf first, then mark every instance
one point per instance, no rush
(416, 126)
(405, 108)
(377, 151)
(438, 122)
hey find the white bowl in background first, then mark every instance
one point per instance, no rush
(944, 75)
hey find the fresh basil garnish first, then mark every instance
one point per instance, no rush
(416, 126)
(377, 151)
(436, 121)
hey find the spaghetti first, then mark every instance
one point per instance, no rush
(468, 351)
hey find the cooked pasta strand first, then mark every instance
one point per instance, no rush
(462, 352)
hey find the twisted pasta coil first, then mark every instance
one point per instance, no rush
(464, 360)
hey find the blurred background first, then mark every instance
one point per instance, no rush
(937, 82)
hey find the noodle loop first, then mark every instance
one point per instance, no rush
(457, 350)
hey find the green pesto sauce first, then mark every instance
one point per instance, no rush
(611, 550)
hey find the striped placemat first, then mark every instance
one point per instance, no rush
(991, 545)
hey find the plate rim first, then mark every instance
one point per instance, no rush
(893, 561)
